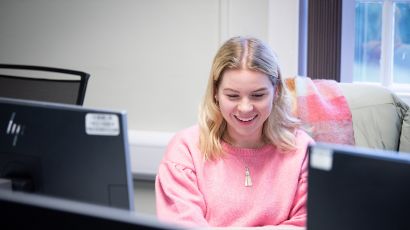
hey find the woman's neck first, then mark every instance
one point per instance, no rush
(249, 143)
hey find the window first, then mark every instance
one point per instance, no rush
(382, 43)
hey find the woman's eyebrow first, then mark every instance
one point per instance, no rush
(236, 91)
(261, 89)
(230, 90)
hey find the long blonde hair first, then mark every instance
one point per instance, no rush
(278, 129)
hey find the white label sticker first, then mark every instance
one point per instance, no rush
(102, 124)
(321, 158)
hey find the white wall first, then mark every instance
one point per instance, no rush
(148, 57)
(283, 30)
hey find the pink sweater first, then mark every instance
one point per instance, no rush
(195, 192)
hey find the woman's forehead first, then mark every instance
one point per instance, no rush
(245, 80)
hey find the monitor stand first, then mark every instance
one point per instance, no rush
(17, 183)
(5, 184)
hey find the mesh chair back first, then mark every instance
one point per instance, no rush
(43, 83)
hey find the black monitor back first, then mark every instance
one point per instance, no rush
(357, 188)
(66, 151)
(32, 211)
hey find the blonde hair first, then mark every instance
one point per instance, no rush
(253, 54)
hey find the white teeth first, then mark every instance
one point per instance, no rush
(245, 119)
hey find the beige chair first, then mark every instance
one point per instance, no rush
(381, 120)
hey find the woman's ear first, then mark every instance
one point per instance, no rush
(216, 100)
(276, 93)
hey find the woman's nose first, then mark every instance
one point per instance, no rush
(245, 106)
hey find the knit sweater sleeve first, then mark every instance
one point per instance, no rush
(298, 213)
(178, 198)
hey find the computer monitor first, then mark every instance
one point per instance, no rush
(66, 151)
(32, 211)
(357, 188)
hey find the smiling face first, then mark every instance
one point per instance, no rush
(245, 100)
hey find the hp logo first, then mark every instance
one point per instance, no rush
(14, 129)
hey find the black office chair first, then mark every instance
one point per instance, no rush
(43, 83)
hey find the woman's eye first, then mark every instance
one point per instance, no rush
(232, 96)
(259, 95)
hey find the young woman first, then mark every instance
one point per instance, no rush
(245, 163)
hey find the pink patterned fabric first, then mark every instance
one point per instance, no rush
(323, 109)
